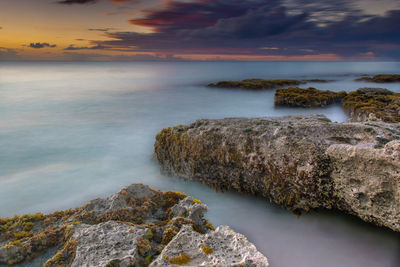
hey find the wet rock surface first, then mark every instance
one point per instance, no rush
(300, 162)
(306, 98)
(130, 228)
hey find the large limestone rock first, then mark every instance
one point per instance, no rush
(300, 163)
(130, 228)
(368, 181)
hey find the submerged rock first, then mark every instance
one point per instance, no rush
(306, 98)
(381, 78)
(373, 104)
(300, 163)
(255, 84)
(134, 227)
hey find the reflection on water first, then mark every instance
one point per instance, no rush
(75, 131)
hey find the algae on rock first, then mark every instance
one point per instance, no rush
(373, 104)
(306, 98)
(381, 78)
(255, 84)
(288, 161)
(130, 228)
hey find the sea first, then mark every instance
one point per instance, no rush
(74, 131)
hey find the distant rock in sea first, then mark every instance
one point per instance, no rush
(380, 78)
(300, 162)
(255, 84)
(137, 226)
(306, 98)
(261, 84)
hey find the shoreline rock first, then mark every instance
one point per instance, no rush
(380, 78)
(299, 163)
(137, 226)
(306, 98)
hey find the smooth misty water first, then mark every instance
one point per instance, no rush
(70, 132)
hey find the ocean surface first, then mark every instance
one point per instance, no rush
(71, 132)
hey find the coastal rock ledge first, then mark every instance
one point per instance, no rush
(137, 226)
(300, 162)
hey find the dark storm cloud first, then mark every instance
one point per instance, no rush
(232, 26)
(71, 2)
(41, 45)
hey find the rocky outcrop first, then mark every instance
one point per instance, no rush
(306, 98)
(222, 247)
(260, 84)
(373, 104)
(256, 84)
(138, 226)
(300, 163)
(381, 78)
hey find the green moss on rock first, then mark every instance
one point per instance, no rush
(373, 103)
(181, 259)
(255, 84)
(381, 78)
(27, 236)
(310, 97)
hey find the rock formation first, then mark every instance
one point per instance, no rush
(381, 78)
(300, 163)
(138, 226)
(306, 98)
(260, 84)
(256, 84)
(373, 104)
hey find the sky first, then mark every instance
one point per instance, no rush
(179, 30)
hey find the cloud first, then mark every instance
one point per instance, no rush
(100, 29)
(296, 27)
(71, 2)
(73, 56)
(41, 45)
(96, 47)
(82, 2)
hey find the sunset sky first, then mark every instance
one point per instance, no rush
(97, 30)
